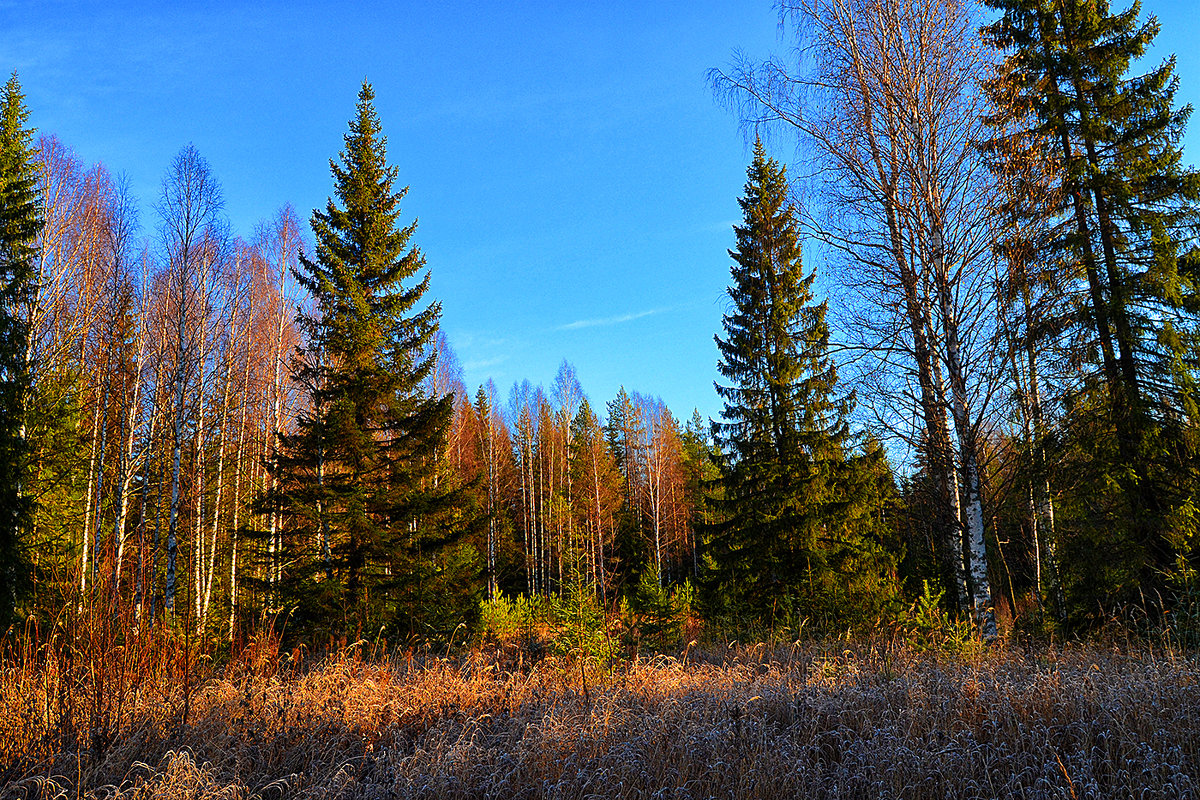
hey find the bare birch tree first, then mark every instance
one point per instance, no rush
(189, 208)
(887, 101)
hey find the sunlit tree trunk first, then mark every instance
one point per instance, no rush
(238, 480)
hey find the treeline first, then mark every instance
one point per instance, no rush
(206, 429)
(171, 375)
(570, 497)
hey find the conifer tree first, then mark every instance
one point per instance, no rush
(622, 433)
(1126, 215)
(20, 224)
(793, 493)
(359, 480)
(599, 484)
(700, 469)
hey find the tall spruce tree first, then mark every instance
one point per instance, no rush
(795, 516)
(1126, 216)
(20, 225)
(359, 485)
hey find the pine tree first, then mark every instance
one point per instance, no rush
(1125, 215)
(791, 486)
(371, 517)
(20, 224)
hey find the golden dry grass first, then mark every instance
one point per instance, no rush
(815, 721)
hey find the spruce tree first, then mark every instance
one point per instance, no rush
(369, 517)
(1126, 214)
(700, 467)
(796, 502)
(20, 225)
(621, 433)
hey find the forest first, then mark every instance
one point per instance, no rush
(244, 467)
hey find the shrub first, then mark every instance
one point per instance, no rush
(928, 627)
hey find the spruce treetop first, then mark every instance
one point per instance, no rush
(363, 256)
(13, 117)
(774, 352)
(20, 214)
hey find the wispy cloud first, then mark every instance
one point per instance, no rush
(483, 363)
(606, 321)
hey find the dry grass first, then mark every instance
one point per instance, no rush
(813, 721)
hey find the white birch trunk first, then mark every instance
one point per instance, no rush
(198, 446)
(176, 463)
(220, 479)
(981, 594)
(126, 469)
(85, 550)
(237, 481)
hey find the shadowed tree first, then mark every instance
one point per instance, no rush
(797, 506)
(1121, 221)
(358, 482)
(886, 98)
(20, 223)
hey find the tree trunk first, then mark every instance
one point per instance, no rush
(981, 594)
(86, 550)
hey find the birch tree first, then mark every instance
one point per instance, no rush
(888, 104)
(189, 209)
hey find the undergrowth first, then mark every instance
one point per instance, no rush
(90, 710)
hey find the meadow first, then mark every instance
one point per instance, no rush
(82, 716)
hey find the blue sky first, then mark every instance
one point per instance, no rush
(574, 180)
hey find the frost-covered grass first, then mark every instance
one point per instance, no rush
(812, 721)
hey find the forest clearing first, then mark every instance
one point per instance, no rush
(870, 717)
(264, 534)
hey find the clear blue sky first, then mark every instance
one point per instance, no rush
(574, 180)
